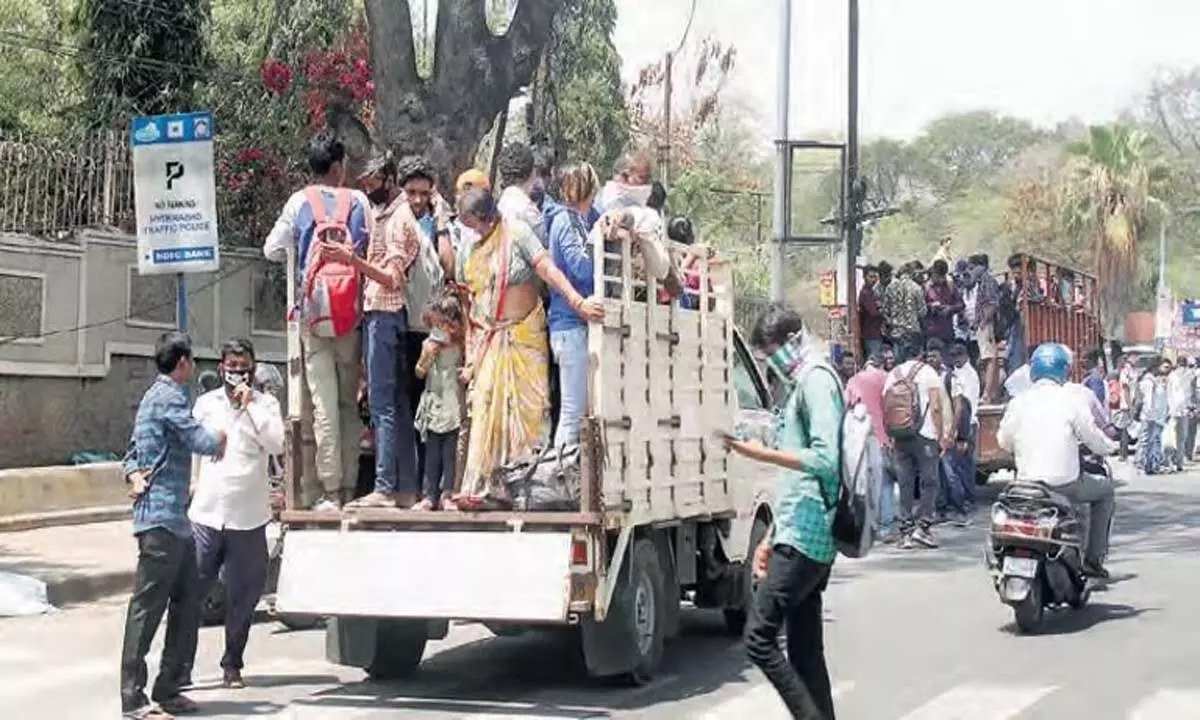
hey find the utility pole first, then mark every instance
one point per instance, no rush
(664, 150)
(855, 188)
(783, 181)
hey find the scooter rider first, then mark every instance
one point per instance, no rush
(1043, 428)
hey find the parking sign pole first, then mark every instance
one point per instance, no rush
(181, 304)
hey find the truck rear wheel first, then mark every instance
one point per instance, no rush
(399, 647)
(643, 608)
(735, 618)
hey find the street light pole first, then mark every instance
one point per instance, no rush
(782, 208)
(852, 224)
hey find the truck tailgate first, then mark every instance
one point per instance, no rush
(426, 574)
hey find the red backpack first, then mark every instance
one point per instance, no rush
(330, 293)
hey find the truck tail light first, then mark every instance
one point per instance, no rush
(579, 552)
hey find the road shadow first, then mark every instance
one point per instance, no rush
(1147, 521)
(541, 675)
(1069, 622)
(237, 708)
(1155, 522)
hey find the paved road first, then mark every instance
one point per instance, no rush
(914, 635)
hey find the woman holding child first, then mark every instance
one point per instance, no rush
(506, 361)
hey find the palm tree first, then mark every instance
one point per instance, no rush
(1111, 181)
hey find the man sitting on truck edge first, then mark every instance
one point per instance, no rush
(794, 564)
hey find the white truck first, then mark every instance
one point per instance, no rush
(665, 514)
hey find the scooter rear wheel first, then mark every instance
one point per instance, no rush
(1029, 612)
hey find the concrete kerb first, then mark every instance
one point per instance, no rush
(81, 516)
(77, 588)
(28, 491)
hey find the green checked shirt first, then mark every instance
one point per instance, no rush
(811, 423)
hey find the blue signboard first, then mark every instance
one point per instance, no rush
(175, 193)
(1189, 315)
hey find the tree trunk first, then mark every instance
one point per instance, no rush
(475, 74)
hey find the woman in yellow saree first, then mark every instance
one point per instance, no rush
(507, 358)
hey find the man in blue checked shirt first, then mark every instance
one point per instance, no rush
(158, 468)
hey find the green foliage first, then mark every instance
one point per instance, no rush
(38, 91)
(578, 102)
(140, 58)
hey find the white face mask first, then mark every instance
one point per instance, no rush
(625, 196)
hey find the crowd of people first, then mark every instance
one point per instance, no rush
(479, 310)
(1163, 398)
(425, 313)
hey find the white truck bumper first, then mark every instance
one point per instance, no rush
(516, 576)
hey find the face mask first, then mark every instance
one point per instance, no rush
(784, 360)
(439, 336)
(626, 196)
(234, 378)
(537, 193)
(379, 195)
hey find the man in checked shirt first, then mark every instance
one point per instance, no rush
(158, 468)
(394, 244)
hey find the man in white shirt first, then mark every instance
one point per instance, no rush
(915, 459)
(959, 462)
(1018, 382)
(1043, 428)
(231, 502)
(515, 166)
(1178, 409)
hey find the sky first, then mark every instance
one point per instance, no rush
(1044, 60)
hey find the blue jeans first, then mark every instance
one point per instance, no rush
(1150, 447)
(907, 347)
(887, 494)
(570, 348)
(967, 465)
(951, 495)
(387, 398)
(1015, 347)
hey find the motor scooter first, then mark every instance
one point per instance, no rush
(1034, 549)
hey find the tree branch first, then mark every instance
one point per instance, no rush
(393, 57)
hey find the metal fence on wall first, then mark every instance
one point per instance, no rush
(50, 187)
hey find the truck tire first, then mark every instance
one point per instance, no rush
(735, 618)
(399, 647)
(638, 614)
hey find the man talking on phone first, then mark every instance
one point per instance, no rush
(793, 562)
(231, 505)
(158, 468)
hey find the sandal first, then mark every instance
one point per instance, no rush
(481, 504)
(426, 505)
(373, 500)
(148, 712)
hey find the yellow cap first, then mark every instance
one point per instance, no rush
(474, 179)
